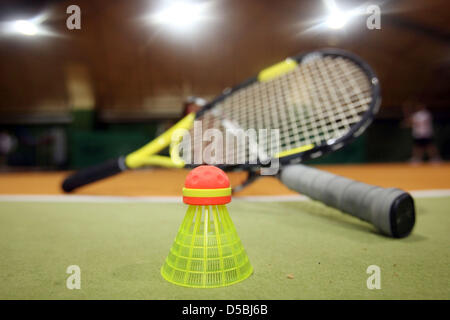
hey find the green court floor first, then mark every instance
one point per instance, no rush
(299, 250)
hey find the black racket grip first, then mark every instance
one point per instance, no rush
(94, 173)
(390, 210)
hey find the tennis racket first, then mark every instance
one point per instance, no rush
(318, 102)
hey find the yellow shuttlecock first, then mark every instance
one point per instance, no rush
(207, 251)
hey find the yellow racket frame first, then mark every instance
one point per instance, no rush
(147, 155)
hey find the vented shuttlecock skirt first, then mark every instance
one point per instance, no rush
(207, 251)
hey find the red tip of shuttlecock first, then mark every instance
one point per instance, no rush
(207, 177)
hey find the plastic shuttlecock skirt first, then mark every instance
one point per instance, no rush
(207, 251)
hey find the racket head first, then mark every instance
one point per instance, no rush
(343, 78)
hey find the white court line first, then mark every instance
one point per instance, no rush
(435, 193)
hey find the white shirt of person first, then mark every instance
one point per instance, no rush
(422, 124)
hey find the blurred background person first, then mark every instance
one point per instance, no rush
(193, 104)
(7, 145)
(420, 120)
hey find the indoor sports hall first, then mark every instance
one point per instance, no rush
(100, 199)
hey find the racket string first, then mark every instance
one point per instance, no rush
(318, 102)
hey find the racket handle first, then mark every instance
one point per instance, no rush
(94, 173)
(390, 210)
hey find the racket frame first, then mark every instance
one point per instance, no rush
(310, 151)
(148, 154)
